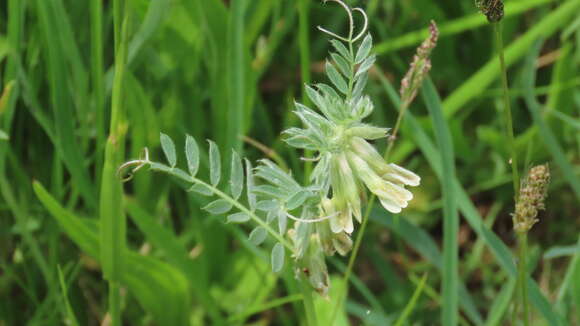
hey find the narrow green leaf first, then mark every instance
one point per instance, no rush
(192, 155)
(240, 217)
(282, 221)
(364, 49)
(336, 78)
(359, 85)
(277, 257)
(146, 277)
(201, 189)
(411, 304)
(258, 235)
(469, 211)
(218, 207)
(342, 64)
(365, 65)
(339, 46)
(250, 185)
(3, 135)
(237, 175)
(450, 216)
(71, 318)
(501, 303)
(267, 205)
(297, 199)
(169, 149)
(215, 169)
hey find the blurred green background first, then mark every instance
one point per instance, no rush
(230, 71)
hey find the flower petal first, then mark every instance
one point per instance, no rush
(403, 175)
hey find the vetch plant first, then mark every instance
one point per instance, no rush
(314, 220)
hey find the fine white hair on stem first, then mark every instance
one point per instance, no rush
(314, 220)
(137, 163)
(350, 20)
(365, 24)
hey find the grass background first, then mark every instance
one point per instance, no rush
(222, 69)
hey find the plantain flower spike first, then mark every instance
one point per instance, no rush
(346, 162)
(419, 67)
(531, 198)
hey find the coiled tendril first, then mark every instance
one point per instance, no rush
(349, 11)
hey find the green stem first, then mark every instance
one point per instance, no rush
(304, 44)
(308, 302)
(342, 294)
(522, 274)
(393, 136)
(507, 109)
(361, 231)
(521, 286)
(112, 214)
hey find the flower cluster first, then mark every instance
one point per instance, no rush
(346, 160)
(420, 66)
(315, 220)
(531, 198)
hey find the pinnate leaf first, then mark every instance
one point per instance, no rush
(238, 217)
(364, 49)
(215, 169)
(168, 149)
(250, 185)
(218, 207)
(277, 257)
(365, 65)
(336, 78)
(192, 155)
(339, 46)
(258, 235)
(201, 189)
(237, 176)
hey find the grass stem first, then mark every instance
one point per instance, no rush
(522, 275)
(522, 237)
(507, 109)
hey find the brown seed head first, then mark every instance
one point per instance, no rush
(533, 192)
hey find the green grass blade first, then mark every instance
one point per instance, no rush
(450, 216)
(545, 131)
(160, 288)
(66, 145)
(176, 254)
(412, 303)
(516, 50)
(501, 303)
(469, 211)
(421, 241)
(70, 315)
(236, 71)
(460, 25)
(112, 216)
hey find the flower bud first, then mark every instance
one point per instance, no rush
(392, 196)
(368, 132)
